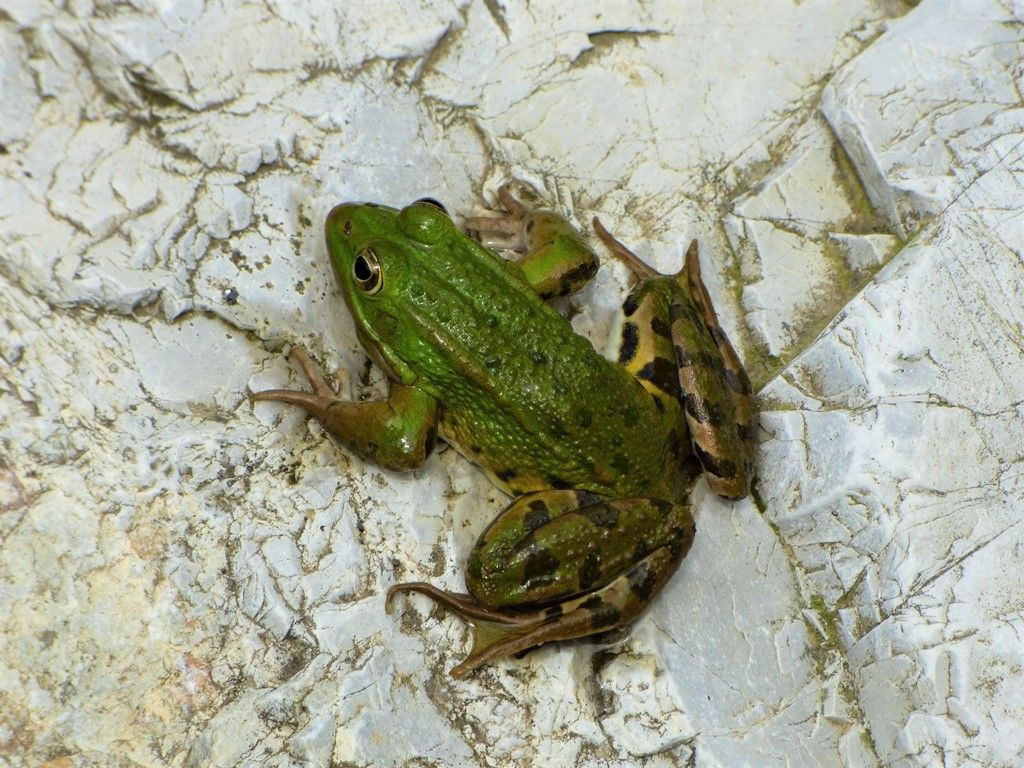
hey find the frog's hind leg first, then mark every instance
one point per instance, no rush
(557, 565)
(504, 633)
(720, 407)
(557, 260)
(713, 386)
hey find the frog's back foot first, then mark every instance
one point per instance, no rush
(506, 229)
(505, 632)
(636, 265)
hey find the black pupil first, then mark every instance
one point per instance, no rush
(362, 269)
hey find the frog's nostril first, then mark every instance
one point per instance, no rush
(340, 219)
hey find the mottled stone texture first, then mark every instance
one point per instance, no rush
(187, 580)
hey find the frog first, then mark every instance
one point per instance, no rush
(597, 454)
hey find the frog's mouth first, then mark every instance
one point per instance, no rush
(374, 349)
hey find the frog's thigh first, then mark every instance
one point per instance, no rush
(645, 343)
(552, 545)
(558, 261)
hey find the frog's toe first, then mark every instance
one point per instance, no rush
(635, 264)
(508, 229)
(322, 389)
(465, 605)
(504, 232)
(511, 203)
(496, 633)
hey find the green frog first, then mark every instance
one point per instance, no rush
(597, 455)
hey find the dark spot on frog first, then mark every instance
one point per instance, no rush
(663, 506)
(674, 445)
(557, 428)
(590, 571)
(663, 374)
(642, 580)
(602, 515)
(620, 463)
(717, 466)
(602, 614)
(537, 515)
(641, 550)
(538, 357)
(629, 306)
(584, 417)
(557, 482)
(539, 568)
(630, 415)
(502, 474)
(630, 342)
(346, 227)
(617, 441)
(577, 276)
(660, 327)
(529, 225)
(586, 498)
(475, 449)
(681, 541)
(491, 321)
(493, 363)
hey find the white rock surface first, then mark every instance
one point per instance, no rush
(188, 580)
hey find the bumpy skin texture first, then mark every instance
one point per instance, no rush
(594, 450)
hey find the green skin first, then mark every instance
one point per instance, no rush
(596, 454)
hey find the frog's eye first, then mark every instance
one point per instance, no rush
(366, 271)
(433, 203)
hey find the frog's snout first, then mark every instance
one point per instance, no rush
(341, 220)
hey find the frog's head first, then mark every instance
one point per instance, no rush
(379, 254)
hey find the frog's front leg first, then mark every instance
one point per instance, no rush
(397, 433)
(558, 565)
(557, 259)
